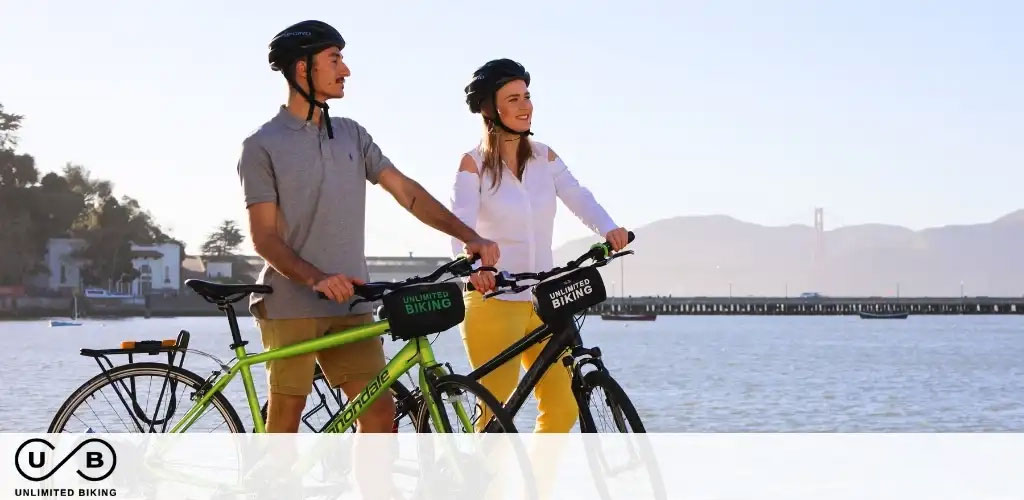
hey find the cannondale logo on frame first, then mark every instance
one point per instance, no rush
(37, 459)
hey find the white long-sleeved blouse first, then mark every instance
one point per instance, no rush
(519, 214)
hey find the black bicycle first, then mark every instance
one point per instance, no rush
(561, 298)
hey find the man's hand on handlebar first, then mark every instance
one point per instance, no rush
(485, 249)
(338, 287)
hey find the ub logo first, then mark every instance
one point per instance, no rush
(37, 460)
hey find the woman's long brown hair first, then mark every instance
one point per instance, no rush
(491, 151)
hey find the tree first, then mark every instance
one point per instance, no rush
(19, 257)
(109, 232)
(29, 217)
(19, 251)
(9, 125)
(17, 170)
(224, 241)
(58, 207)
(33, 210)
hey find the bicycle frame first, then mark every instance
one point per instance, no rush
(416, 352)
(562, 339)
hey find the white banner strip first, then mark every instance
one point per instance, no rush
(607, 466)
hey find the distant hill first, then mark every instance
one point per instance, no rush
(703, 255)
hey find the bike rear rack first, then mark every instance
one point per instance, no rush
(175, 350)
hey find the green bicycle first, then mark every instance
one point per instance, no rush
(166, 397)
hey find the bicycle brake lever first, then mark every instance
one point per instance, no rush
(356, 302)
(605, 262)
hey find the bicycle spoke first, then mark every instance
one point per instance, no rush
(94, 406)
(76, 417)
(148, 394)
(170, 404)
(125, 403)
(222, 424)
(89, 405)
(115, 411)
(609, 415)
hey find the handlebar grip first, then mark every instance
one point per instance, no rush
(360, 290)
(629, 239)
(470, 259)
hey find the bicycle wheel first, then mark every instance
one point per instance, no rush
(324, 402)
(143, 397)
(624, 464)
(463, 406)
(604, 406)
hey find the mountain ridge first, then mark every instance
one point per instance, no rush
(705, 254)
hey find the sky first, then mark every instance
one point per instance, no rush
(905, 113)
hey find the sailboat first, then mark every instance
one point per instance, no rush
(74, 317)
(622, 316)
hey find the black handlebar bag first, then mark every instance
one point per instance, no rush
(557, 300)
(420, 310)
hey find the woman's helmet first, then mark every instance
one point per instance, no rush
(487, 79)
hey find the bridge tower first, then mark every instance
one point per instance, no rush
(819, 249)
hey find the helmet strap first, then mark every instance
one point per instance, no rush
(310, 97)
(497, 119)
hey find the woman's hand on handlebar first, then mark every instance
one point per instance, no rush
(338, 287)
(483, 281)
(617, 238)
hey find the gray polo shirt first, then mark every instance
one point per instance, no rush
(319, 185)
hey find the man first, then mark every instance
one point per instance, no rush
(304, 178)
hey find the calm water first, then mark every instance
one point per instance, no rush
(685, 374)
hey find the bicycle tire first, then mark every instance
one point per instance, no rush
(454, 384)
(615, 398)
(406, 405)
(157, 370)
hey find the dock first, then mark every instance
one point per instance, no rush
(816, 306)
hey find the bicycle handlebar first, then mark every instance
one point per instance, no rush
(599, 252)
(377, 289)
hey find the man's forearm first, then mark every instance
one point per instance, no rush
(285, 261)
(432, 213)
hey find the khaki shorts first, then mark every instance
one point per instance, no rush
(360, 361)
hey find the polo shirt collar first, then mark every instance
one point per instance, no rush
(289, 120)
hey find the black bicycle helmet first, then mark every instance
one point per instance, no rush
(304, 40)
(487, 79)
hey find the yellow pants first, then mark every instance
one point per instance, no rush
(490, 327)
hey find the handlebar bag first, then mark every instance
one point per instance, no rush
(420, 310)
(558, 299)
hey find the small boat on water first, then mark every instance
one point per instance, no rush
(629, 317)
(72, 322)
(892, 315)
(57, 322)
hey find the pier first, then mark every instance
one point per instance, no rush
(817, 306)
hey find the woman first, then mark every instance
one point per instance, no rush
(505, 189)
